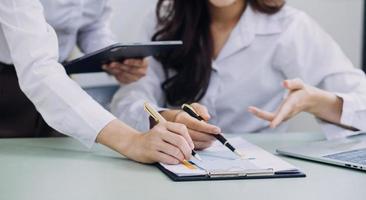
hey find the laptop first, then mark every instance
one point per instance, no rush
(349, 152)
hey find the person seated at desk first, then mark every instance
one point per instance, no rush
(78, 23)
(29, 54)
(244, 57)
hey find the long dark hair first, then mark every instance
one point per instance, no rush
(189, 21)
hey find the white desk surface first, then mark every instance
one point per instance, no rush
(60, 168)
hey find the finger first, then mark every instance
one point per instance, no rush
(202, 111)
(116, 73)
(166, 159)
(134, 70)
(172, 150)
(202, 145)
(268, 116)
(181, 130)
(197, 125)
(180, 143)
(294, 84)
(203, 127)
(107, 67)
(134, 62)
(113, 65)
(111, 68)
(200, 137)
(283, 113)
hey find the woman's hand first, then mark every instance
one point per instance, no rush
(128, 71)
(200, 131)
(303, 98)
(166, 142)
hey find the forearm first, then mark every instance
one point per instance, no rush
(117, 136)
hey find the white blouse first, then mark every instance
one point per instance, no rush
(261, 52)
(27, 41)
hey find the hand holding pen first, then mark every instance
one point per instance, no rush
(160, 119)
(201, 132)
(193, 113)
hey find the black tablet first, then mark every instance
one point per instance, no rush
(118, 52)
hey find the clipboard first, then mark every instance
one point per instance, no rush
(93, 62)
(218, 163)
(231, 176)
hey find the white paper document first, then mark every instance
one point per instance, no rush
(219, 159)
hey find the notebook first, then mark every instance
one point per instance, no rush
(219, 163)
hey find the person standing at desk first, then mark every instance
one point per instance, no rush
(28, 42)
(78, 23)
(236, 55)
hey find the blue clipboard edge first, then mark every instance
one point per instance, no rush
(176, 178)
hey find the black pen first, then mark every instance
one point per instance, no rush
(192, 112)
(158, 118)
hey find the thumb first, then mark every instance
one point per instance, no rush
(293, 84)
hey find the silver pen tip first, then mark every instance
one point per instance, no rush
(240, 154)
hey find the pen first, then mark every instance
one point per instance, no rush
(158, 118)
(192, 112)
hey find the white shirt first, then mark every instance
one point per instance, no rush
(262, 51)
(79, 22)
(27, 41)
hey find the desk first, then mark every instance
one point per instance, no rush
(60, 168)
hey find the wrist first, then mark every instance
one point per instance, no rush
(314, 102)
(327, 106)
(117, 136)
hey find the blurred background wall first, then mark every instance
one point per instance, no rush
(343, 19)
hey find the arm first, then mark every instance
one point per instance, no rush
(64, 105)
(34, 51)
(325, 83)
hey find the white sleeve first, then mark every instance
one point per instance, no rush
(97, 34)
(307, 52)
(128, 102)
(34, 52)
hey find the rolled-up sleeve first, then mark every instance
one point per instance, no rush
(34, 52)
(309, 53)
(351, 87)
